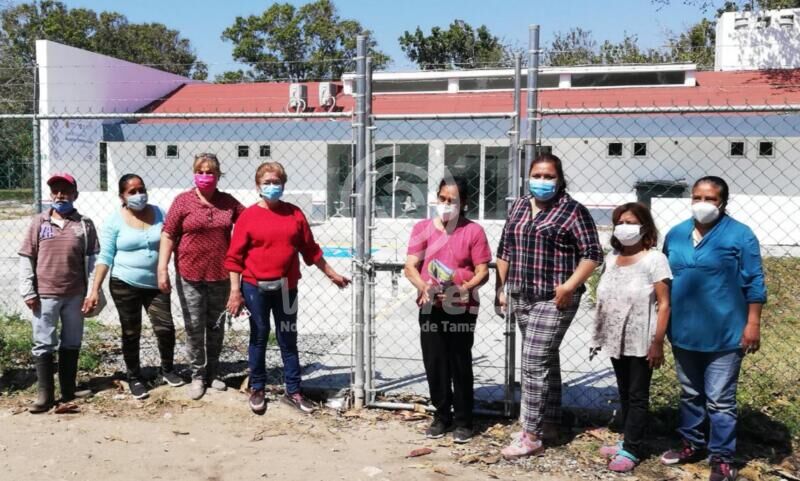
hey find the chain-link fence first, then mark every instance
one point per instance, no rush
(412, 154)
(97, 149)
(653, 155)
(611, 156)
(364, 177)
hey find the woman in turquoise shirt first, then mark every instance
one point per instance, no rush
(717, 294)
(129, 245)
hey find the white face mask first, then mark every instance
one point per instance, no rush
(628, 234)
(705, 212)
(446, 212)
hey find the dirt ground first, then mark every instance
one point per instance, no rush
(168, 437)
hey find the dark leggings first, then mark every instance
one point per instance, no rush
(633, 381)
(447, 354)
(129, 301)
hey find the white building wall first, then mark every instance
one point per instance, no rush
(78, 81)
(305, 163)
(763, 195)
(758, 40)
(589, 169)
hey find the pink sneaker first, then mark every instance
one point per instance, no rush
(522, 447)
(299, 402)
(623, 462)
(610, 451)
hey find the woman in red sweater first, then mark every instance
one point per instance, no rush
(264, 270)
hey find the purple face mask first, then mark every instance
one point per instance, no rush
(206, 183)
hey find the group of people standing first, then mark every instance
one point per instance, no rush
(703, 291)
(219, 269)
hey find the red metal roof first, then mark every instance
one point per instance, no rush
(713, 88)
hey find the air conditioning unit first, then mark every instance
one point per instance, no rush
(298, 96)
(327, 93)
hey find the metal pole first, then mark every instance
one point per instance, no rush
(37, 154)
(360, 218)
(509, 405)
(514, 173)
(369, 193)
(532, 93)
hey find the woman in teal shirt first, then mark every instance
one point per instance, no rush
(129, 245)
(717, 294)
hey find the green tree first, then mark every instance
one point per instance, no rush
(234, 77)
(578, 47)
(574, 47)
(733, 6)
(108, 33)
(289, 43)
(628, 51)
(696, 45)
(460, 46)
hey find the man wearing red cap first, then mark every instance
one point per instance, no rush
(56, 254)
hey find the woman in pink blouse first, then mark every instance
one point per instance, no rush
(447, 261)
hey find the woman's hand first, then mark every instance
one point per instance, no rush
(235, 302)
(163, 281)
(564, 294)
(339, 280)
(90, 302)
(425, 295)
(500, 303)
(463, 294)
(751, 338)
(33, 303)
(655, 355)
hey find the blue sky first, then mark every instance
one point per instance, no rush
(202, 21)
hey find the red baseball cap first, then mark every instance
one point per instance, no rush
(62, 176)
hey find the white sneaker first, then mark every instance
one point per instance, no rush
(522, 447)
(218, 385)
(197, 389)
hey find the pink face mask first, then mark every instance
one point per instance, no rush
(207, 183)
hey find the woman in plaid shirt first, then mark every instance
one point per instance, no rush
(548, 249)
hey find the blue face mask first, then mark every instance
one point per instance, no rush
(63, 206)
(271, 191)
(542, 189)
(136, 202)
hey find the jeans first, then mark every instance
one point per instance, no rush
(283, 305)
(708, 391)
(446, 341)
(46, 338)
(633, 383)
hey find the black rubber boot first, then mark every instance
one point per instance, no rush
(67, 373)
(45, 383)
